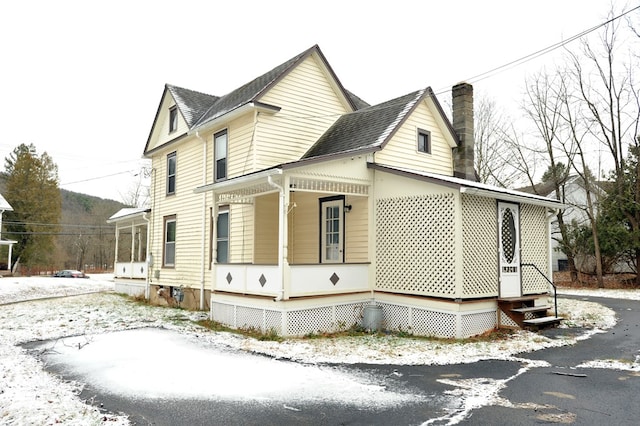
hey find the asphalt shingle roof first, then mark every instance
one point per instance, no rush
(191, 104)
(367, 128)
(250, 91)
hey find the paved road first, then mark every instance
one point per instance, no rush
(488, 392)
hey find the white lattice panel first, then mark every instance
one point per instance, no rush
(415, 245)
(249, 318)
(477, 323)
(535, 249)
(480, 246)
(416, 320)
(223, 313)
(506, 321)
(309, 321)
(432, 323)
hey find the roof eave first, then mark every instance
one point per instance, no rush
(232, 114)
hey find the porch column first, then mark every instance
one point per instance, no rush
(133, 242)
(115, 257)
(284, 243)
(139, 243)
(214, 242)
(9, 258)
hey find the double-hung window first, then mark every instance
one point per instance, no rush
(173, 119)
(424, 141)
(220, 155)
(169, 255)
(222, 237)
(171, 173)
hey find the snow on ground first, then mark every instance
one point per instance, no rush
(87, 330)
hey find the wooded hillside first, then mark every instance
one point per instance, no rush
(85, 240)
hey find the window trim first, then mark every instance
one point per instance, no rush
(217, 178)
(340, 200)
(166, 221)
(223, 210)
(173, 119)
(427, 134)
(172, 177)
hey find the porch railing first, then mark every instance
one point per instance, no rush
(555, 289)
(305, 280)
(133, 270)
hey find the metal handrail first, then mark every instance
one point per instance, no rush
(555, 289)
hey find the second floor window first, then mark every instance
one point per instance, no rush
(220, 155)
(171, 173)
(424, 141)
(173, 119)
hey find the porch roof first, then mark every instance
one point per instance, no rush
(129, 214)
(472, 188)
(243, 189)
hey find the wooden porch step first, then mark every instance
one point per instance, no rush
(542, 321)
(525, 310)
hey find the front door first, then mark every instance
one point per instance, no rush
(331, 232)
(509, 249)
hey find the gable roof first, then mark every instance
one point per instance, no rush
(370, 128)
(199, 108)
(253, 90)
(191, 104)
(4, 205)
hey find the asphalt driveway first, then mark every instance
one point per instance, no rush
(549, 386)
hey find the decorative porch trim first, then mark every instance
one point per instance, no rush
(328, 186)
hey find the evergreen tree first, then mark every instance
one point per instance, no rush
(33, 192)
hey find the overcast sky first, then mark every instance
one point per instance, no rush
(82, 80)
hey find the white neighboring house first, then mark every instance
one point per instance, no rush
(574, 196)
(131, 264)
(5, 206)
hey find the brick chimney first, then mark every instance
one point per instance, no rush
(462, 102)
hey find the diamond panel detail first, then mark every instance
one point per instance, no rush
(334, 279)
(262, 280)
(229, 278)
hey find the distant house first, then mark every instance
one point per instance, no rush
(5, 207)
(291, 205)
(573, 195)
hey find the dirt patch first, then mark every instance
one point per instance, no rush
(614, 281)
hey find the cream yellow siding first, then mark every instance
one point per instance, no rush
(304, 230)
(160, 133)
(309, 106)
(357, 230)
(266, 229)
(402, 149)
(189, 211)
(241, 233)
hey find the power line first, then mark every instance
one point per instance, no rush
(541, 52)
(58, 224)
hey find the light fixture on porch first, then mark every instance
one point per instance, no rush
(347, 208)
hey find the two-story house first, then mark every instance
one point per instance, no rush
(290, 205)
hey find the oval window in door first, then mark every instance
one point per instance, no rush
(508, 235)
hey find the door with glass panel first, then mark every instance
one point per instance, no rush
(509, 249)
(332, 231)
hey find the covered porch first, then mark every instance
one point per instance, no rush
(284, 236)
(131, 264)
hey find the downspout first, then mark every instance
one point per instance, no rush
(281, 213)
(204, 219)
(148, 256)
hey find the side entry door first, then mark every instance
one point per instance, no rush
(509, 249)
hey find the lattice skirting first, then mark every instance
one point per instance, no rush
(130, 288)
(420, 321)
